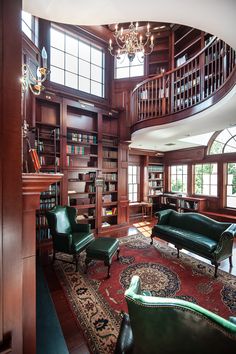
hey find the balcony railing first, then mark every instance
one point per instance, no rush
(186, 86)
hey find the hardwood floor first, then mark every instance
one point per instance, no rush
(72, 331)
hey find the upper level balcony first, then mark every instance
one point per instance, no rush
(186, 90)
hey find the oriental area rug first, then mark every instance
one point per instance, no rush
(97, 302)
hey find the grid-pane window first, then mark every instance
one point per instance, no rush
(133, 183)
(231, 185)
(29, 25)
(125, 68)
(76, 63)
(205, 179)
(178, 178)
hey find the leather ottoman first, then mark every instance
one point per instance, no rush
(102, 248)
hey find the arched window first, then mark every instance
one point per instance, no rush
(223, 142)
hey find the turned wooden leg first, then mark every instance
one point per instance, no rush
(108, 264)
(76, 263)
(117, 254)
(177, 252)
(151, 243)
(216, 268)
(230, 261)
(87, 261)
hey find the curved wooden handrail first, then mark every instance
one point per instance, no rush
(172, 70)
(183, 87)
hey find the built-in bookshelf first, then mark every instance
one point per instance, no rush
(48, 200)
(47, 143)
(48, 146)
(183, 203)
(159, 59)
(109, 199)
(155, 179)
(187, 43)
(82, 195)
(82, 161)
(81, 148)
(109, 211)
(155, 184)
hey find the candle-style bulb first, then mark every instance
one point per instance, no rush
(44, 57)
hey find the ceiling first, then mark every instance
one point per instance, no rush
(214, 16)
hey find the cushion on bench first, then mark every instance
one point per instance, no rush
(202, 244)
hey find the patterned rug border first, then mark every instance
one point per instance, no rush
(184, 257)
(104, 319)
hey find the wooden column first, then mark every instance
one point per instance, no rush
(123, 202)
(33, 185)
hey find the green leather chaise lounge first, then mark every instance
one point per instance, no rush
(68, 236)
(197, 233)
(158, 325)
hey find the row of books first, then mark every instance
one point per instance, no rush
(41, 220)
(109, 187)
(48, 133)
(109, 212)
(70, 161)
(43, 234)
(49, 160)
(52, 190)
(90, 176)
(110, 177)
(109, 164)
(47, 203)
(154, 175)
(109, 142)
(83, 138)
(77, 150)
(155, 168)
(111, 154)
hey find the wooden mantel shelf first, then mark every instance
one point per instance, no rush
(35, 183)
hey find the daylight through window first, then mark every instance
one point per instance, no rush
(231, 185)
(205, 179)
(124, 68)
(76, 63)
(178, 178)
(133, 183)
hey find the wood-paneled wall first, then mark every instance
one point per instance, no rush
(10, 178)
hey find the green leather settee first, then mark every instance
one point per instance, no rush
(156, 325)
(68, 236)
(196, 233)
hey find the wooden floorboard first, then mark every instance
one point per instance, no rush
(72, 331)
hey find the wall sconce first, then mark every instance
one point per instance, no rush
(34, 82)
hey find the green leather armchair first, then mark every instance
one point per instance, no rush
(68, 236)
(158, 325)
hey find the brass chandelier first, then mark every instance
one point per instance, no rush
(131, 42)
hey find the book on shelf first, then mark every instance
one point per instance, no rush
(82, 138)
